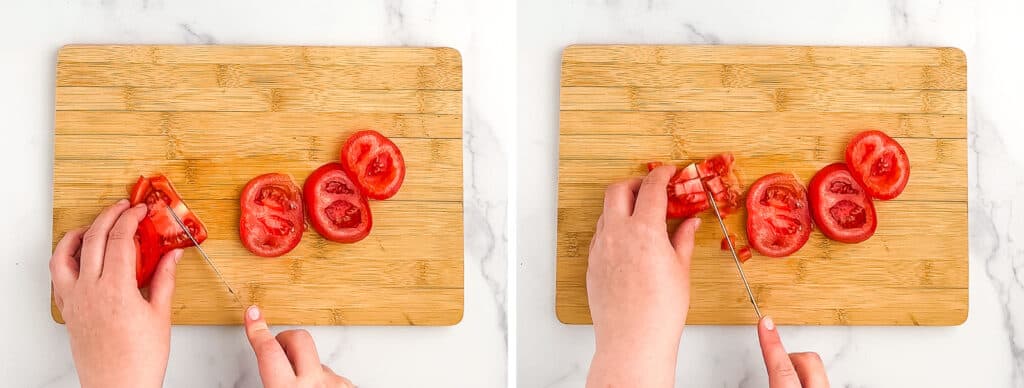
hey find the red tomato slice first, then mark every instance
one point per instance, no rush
(158, 233)
(336, 207)
(841, 208)
(686, 190)
(778, 218)
(374, 163)
(878, 163)
(272, 220)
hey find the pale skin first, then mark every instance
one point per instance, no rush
(111, 323)
(638, 286)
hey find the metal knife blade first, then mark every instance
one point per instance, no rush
(205, 257)
(732, 249)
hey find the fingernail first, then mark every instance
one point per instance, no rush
(768, 323)
(122, 201)
(141, 206)
(253, 312)
(177, 254)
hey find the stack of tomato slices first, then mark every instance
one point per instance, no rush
(334, 196)
(158, 232)
(780, 209)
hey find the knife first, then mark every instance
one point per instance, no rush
(205, 257)
(732, 249)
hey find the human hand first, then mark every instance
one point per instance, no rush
(638, 284)
(289, 360)
(792, 370)
(118, 338)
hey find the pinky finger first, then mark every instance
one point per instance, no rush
(63, 265)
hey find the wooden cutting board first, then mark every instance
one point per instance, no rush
(213, 117)
(779, 108)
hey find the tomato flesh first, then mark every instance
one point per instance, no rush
(337, 209)
(842, 209)
(272, 219)
(687, 196)
(374, 163)
(778, 216)
(158, 233)
(878, 163)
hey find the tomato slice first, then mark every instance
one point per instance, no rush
(878, 163)
(158, 232)
(842, 209)
(686, 190)
(272, 220)
(778, 218)
(336, 207)
(374, 163)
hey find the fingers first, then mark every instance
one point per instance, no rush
(653, 196)
(94, 241)
(781, 373)
(809, 369)
(682, 239)
(63, 265)
(119, 259)
(301, 351)
(271, 359)
(161, 289)
(620, 197)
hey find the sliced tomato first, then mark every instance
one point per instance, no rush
(842, 209)
(272, 219)
(374, 163)
(687, 196)
(878, 163)
(158, 232)
(336, 207)
(778, 216)
(744, 254)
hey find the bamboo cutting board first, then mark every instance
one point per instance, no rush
(778, 108)
(213, 117)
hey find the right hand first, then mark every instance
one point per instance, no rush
(290, 359)
(788, 370)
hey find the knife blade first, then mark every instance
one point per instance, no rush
(205, 257)
(732, 249)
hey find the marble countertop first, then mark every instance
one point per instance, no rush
(470, 354)
(986, 351)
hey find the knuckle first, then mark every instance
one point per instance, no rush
(119, 234)
(295, 336)
(266, 345)
(93, 235)
(810, 357)
(785, 370)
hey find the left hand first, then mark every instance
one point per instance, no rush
(118, 338)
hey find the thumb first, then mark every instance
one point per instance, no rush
(781, 373)
(682, 239)
(161, 289)
(275, 369)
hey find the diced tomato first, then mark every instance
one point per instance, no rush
(687, 190)
(725, 243)
(744, 254)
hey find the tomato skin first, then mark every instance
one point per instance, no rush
(158, 232)
(878, 163)
(332, 198)
(842, 209)
(778, 215)
(272, 219)
(374, 163)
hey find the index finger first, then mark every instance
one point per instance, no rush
(275, 369)
(119, 260)
(652, 200)
(781, 373)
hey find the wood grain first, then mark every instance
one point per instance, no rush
(777, 108)
(213, 117)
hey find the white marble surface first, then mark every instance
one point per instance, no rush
(987, 351)
(472, 354)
